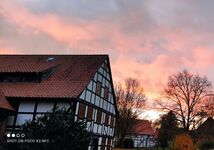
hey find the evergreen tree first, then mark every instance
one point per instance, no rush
(168, 129)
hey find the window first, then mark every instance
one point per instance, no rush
(105, 74)
(102, 92)
(109, 121)
(112, 109)
(101, 102)
(109, 88)
(89, 126)
(26, 106)
(99, 78)
(107, 83)
(25, 76)
(100, 70)
(108, 106)
(22, 118)
(104, 104)
(100, 130)
(97, 101)
(95, 128)
(64, 105)
(98, 89)
(94, 114)
(88, 96)
(103, 117)
(104, 82)
(45, 106)
(19, 77)
(93, 98)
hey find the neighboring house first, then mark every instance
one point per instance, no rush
(31, 85)
(142, 134)
(205, 131)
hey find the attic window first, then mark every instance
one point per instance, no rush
(19, 77)
(25, 76)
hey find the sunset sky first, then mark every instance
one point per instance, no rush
(145, 39)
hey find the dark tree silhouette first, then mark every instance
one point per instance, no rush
(130, 97)
(187, 96)
(168, 128)
(59, 128)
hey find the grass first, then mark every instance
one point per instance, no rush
(140, 149)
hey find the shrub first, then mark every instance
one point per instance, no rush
(60, 128)
(128, 143)
(183, 142)
(208, 145)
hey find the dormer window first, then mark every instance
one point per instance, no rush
(25, 76)
(18, 77)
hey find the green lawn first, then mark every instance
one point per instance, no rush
(140, 149)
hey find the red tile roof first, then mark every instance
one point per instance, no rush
(72, 75)
(142, 127)
(23, 64)
(4, 104)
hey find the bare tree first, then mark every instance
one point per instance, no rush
(185, 94)
(208, 106)
(130, 98)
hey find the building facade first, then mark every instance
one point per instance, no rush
(142, 134)
(34, 85)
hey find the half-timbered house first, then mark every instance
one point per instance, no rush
(32, 85)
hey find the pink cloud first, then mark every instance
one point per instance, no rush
(77, 33)
(153, 76)
(127, 47)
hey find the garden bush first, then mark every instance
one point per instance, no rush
(183, 141)
(208, 145)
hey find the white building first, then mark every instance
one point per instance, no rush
(142, 134)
